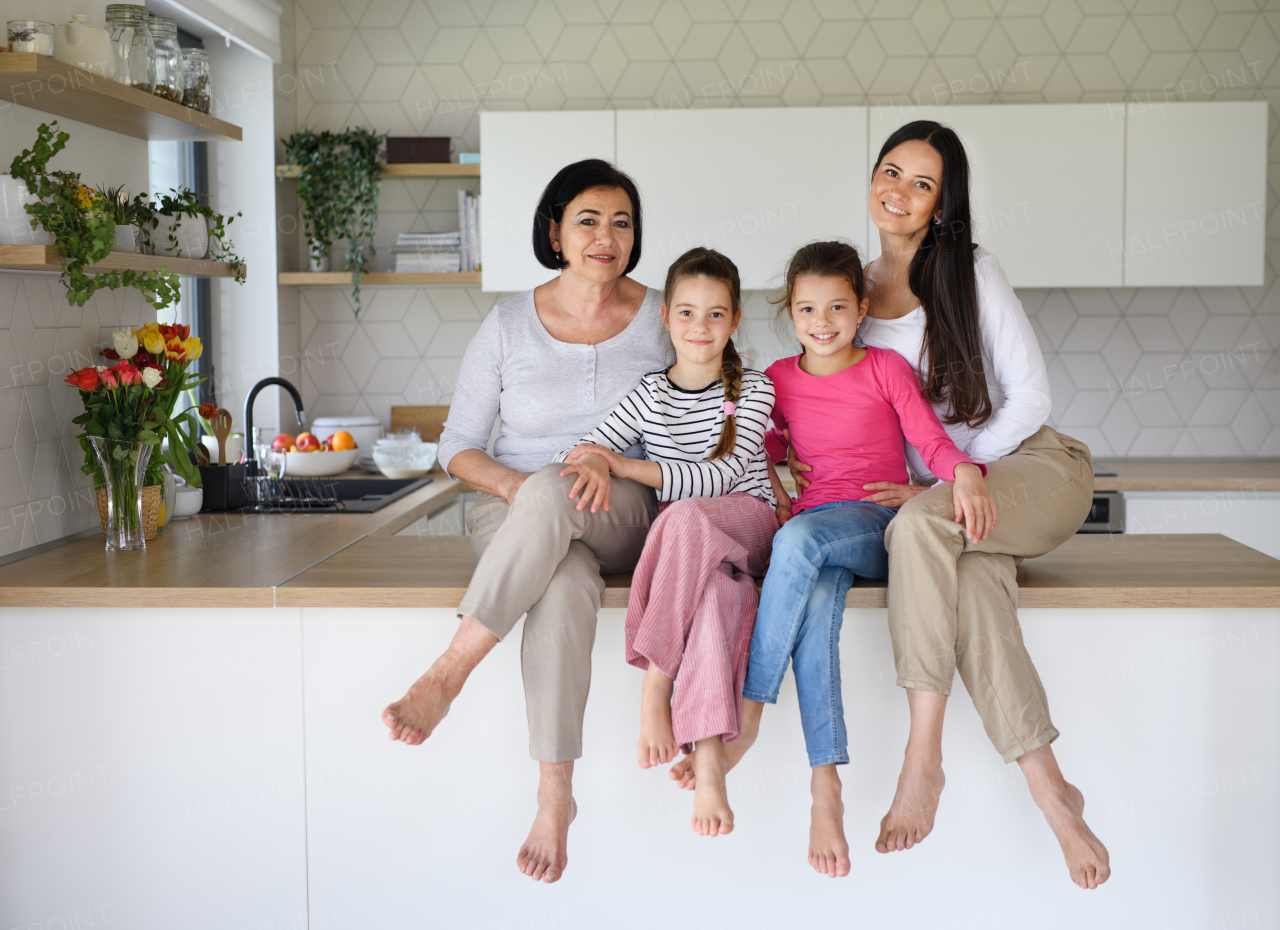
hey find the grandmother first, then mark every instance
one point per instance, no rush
(550, 364)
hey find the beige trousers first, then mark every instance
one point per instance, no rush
(544, 557)
(953, 603)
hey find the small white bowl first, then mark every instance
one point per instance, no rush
(405, 459)
(318, 464)
(186, 503)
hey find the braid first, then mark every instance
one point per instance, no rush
(731, 375)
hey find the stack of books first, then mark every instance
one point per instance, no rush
(469, 229)
(427, 253)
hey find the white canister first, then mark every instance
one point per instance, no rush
(126, 238)
(365, 430)
(85, 45)
(15, 221)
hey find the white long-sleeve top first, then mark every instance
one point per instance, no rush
(1016, 377)
(678, 429)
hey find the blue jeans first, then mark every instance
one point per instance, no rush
(816, 556)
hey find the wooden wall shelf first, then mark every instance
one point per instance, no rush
(406, 170)
(44, 83)
(343, 278)
(48, 258)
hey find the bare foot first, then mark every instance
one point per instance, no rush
(910, 817)
(712, 815)
(1087, 859)
(413, 718)
(828, 849)
(683, 774)
(657, 742)
(544, 855)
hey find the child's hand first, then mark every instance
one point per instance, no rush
(973, 503)
(617, 463)
(783, 511)
(794, 465)
(593, 480)
(891, 494)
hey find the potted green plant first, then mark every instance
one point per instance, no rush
(82, 223)
(132, 217)
(340, 176)
(190, 228)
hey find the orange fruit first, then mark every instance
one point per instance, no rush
(342, 441)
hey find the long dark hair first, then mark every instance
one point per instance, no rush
(708, 263)
(942, 276)
(569, 182)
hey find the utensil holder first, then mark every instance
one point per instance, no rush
(223, 488)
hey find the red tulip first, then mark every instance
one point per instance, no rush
(208, 411)
(111, 355)
(86, 379)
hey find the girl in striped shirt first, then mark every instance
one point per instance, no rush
(702, 425)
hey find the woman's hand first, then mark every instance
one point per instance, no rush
(794, 465)
(890, 494)
(973, 503)
(592, 470)
(617, 463)
(514, 485)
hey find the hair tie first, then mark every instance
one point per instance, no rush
(730, 408)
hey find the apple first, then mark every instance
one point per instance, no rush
(282, 442)
(307, 442)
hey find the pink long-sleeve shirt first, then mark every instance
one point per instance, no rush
(850, 426)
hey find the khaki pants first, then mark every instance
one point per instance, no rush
(542, 556)
(953, 603)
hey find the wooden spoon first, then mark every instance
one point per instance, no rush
(220, 422)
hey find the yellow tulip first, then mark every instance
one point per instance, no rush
(154, 343)
(193, 347)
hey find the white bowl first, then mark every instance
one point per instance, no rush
(187, 502)
(405, 459)
(318, 464)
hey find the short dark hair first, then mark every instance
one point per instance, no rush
(569, 182)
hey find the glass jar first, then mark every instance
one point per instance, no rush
(168, 58)
(30, 35)
(196, 92)
(135, 49)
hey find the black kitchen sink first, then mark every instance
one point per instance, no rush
(353, 495)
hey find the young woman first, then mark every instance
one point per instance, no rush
(945, 305)
(848, 410)
(693, 600)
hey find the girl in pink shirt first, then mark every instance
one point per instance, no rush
(847, 410)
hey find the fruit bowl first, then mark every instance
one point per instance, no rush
(318, 464)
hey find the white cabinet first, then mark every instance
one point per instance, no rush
(1196, 191)
(1247, 516)
(752, 183)
(1046, 186)
(522, 153)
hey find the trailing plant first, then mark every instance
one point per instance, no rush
(82, 223)
(182, 201)
(338, 184)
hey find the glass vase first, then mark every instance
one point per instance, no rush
(123, 467)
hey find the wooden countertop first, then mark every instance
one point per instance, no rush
(1086, 571)
(210, 560)
(1189, 475)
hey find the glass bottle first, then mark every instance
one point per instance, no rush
(168, 58)
(196, 92)
(135, 49)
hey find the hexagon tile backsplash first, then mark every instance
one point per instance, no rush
(1135, 372)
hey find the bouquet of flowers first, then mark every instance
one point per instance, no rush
(162, 354)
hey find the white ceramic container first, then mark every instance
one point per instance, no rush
(85, 45)
(187, 503)
(318, 464)
(192, 233)
(365, 430)
(126, 238)
(15, 222)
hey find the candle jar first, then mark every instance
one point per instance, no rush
(135, 49)
(196, 92)
(168, 58)
(30, 35)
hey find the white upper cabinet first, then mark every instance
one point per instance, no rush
(1046, 186)
(1196, 192)
(522, 153)
(752, 183)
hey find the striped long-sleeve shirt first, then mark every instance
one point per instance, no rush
(679, 429)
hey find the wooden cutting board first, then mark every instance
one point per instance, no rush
(428, 420)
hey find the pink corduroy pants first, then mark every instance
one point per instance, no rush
(693, 607)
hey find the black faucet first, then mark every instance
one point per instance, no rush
(251, 455)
